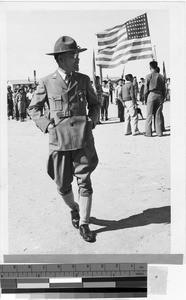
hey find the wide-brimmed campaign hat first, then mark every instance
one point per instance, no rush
(66, 44)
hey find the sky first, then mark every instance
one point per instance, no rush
(32, 32)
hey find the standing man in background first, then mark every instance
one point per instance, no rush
(110, 86)
(129, 99)
(154, 94)
(136, 89)
(104, 101)
(141, 90)
(10, 104)
(120, 105)
(99, 92)
(69, 95)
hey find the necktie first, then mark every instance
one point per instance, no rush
(67, 79)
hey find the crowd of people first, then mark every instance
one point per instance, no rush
(127, 93)
(108, 92)
(18, 102)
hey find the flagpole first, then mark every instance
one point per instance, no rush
(155, 55)
(164, 71)
(101, 75)
(122, 76)
(94, 70)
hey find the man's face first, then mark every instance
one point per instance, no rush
(69, 61)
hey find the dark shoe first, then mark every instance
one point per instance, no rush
(86, 233)
(75, 218)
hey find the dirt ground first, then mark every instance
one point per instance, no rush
(131, 200)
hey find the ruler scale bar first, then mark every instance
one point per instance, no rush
(72, 267)
(107, 280)
(74, 274)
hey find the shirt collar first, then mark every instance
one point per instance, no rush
(62, 73)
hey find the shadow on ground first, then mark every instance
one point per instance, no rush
(149, 216)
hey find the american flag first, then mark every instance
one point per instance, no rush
(122, 43)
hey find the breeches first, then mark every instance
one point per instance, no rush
(64, 165)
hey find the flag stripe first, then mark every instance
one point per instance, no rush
(110, 51)
(120, 54)
(105, 42)
(125, 42)
(125, 56)
(124, 61)
(117, 27)
(110, 35)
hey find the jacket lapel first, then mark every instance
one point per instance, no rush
(59, 81)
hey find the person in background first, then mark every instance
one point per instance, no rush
(16, 111)
(141, 90)
(72, 113)
(29, 96)
(110, 86)
(121, 108)
(129, 100)
(21, 103)
(114, 92)
(99, 92)
(104, 101)
(136, 89)
(154, 93)
(167, 97)
(10, 104)
(161, 112)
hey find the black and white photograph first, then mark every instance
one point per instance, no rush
(94, 139)
(88, 137)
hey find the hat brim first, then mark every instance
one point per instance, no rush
(77, 50)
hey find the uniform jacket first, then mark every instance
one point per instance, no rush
(74, 110)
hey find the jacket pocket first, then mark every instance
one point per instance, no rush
(57, 103)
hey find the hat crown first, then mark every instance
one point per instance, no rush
(65, 43)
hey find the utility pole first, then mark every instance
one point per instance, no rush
(101, 75)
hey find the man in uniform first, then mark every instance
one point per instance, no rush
(69, 95)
